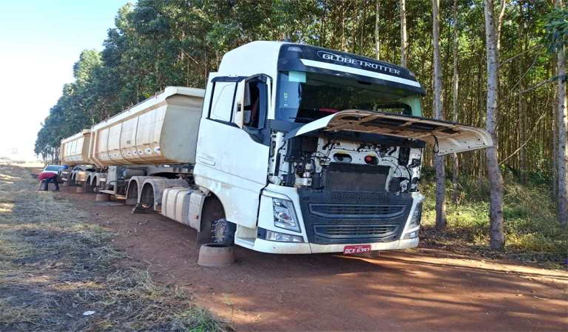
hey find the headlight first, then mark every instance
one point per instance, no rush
(411, 235)
(281, 237)
(416, 216)
(284, 215)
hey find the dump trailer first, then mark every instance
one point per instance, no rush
(74, 152)
(291, 149)
(151, 143)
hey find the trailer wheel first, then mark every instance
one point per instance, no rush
(88, 188)
(223, 232)
(94, 186)
(147, 197)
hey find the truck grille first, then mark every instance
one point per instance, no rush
(356, 210)
(356, 231)
(349, 217)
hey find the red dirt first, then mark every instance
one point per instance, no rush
(416, 290)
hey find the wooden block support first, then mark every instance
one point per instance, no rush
(102, 198)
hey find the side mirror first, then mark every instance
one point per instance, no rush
(240, 101)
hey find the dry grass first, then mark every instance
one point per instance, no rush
(55, 267)
(532, 232)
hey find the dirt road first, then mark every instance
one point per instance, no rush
(419, 290)
(60, 272)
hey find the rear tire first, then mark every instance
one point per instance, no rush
(87, 186)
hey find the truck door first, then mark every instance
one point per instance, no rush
(231, 158)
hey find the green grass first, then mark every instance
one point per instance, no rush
(55, 265)
(531, 228)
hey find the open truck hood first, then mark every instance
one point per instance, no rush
(447, 137)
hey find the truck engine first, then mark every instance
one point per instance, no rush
(335, 162)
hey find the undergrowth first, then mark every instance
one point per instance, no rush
(531, 228)
(58, 273)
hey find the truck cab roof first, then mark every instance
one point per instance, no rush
(269, 57)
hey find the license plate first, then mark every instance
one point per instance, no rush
(352, 250)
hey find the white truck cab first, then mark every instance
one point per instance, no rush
(309, 150)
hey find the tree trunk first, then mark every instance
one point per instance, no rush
(362, 24)
(377, 35)
(521, 106)
(323, 26)
(437, 105)
(403, 38)
(497, 236)
(343, 47)
(455, 100)
(500, 23)
(353, 28)
(555, 159)
(562, 127)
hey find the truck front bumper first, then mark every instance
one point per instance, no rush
(272, 247)
(305, 246)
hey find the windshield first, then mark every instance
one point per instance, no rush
(52, 168)
(304, 97)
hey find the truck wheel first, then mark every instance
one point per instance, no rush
(87, 186)
(223, 232)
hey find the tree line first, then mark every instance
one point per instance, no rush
(498, 65)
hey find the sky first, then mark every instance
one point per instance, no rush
(40, 40)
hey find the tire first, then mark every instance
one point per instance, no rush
(97, 188)
(87, 186)
(94, 187)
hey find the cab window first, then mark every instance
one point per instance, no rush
(222, 101)
(255, 104)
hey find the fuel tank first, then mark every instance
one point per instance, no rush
(160, 130)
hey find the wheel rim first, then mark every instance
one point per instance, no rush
(220, 230)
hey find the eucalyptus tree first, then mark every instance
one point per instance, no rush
(557, 40)
(438, 114)
(403, 34)
(455, 95)
(497, 235)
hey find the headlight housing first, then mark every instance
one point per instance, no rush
(284, 215)
(411, 235)
(416, 216)
(281, 237)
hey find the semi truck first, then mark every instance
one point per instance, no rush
(290, 149)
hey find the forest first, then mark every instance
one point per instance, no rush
(494, 64)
